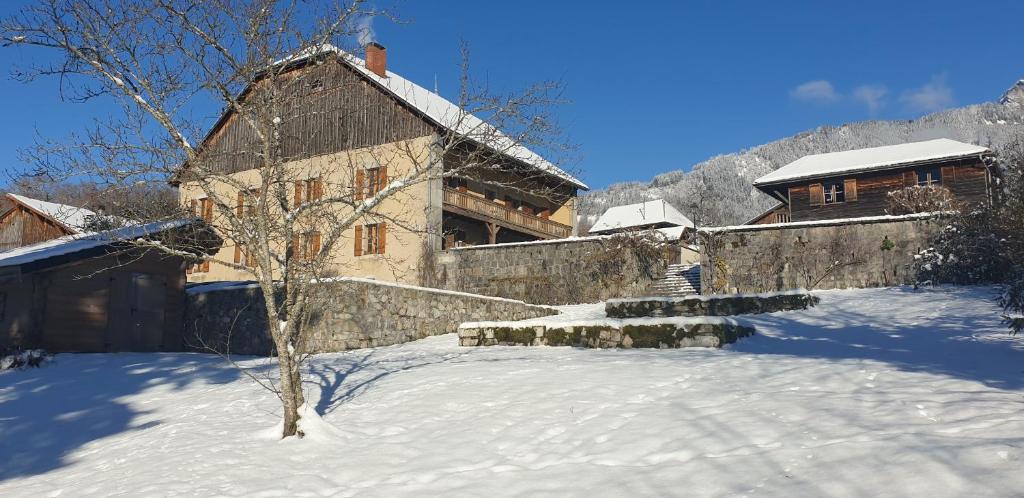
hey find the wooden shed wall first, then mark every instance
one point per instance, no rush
(22, 227)
(87, 305)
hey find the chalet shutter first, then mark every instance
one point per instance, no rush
(238, 252)
(314, 244)
(297, 247)
(817, 193)
(207, 207)
(240, 207)
(194, 206)
(909, 178)
(850, 186)
(359, 240)
(298, 193)
(360, 182)
(318, 189)
(382, 236)
(948, 175)
(383, 181)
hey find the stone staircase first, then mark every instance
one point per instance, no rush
(679, 280)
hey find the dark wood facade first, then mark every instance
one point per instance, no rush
(866, 194)
(20, 226)
(324, 108)
(96, 301)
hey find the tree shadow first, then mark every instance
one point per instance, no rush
(48, 413)
(974, 346)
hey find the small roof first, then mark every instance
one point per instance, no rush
(640, 215)
(70, 217)
(69, 244)
(442, 112)
(857, 160)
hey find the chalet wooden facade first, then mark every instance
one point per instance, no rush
(92, 293)
(857, 183)
(25, 221)
(343, 115)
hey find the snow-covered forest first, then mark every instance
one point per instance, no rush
(718, 191)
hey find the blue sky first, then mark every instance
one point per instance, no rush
(659, 86)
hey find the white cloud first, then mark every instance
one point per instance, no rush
(818, 91)
(933, 96)
(871, 95)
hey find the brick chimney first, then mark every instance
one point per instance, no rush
(377, 59)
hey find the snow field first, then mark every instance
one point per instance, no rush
(873, 392)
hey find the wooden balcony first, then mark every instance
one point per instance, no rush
(488, 211)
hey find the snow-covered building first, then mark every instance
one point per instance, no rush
(132, 299)
(656, 214)
(856, 183)
(27, 221)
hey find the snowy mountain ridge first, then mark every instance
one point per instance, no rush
(718, 191)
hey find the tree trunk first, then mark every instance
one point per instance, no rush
(291, 391)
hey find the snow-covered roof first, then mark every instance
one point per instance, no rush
(640, 215)
(71, 217)
(69, 244)
(857, 160)
(444, 113)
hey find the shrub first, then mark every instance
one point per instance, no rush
(922, 199)
(969, 250)
(18, 359)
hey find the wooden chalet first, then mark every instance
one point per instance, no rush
(856, 183)
(93, 293)
(27, 221)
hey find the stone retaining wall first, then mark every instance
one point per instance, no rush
(357, 314)
(836, 254)
(677, 333)
(568, 271)
(716, 305)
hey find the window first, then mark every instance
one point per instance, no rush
(203, 208)
(308, 190)
(369, 181)
(513, 203)
(316, 85)
(782, 217)
(370, 239)
(929, 176)
(306, 246)
(456, 183)
(834, 193)
(245, 209)
(490, 195)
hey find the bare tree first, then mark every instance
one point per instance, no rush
(269, 189)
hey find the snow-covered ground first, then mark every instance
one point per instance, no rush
(874, 392)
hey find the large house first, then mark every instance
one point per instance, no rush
(856, 183)
(355, 125)
(25, 221)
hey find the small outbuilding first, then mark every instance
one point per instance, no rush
(94, 292)
(656, 214)
(25, 221)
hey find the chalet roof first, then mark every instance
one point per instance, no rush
(70, 244)
(442, 112)
(74, 219)
(874, 158)
(640, 215)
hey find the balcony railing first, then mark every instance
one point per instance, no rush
(490, 211)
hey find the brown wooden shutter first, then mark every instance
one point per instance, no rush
(948, 175)
(208, 210)
(318, 189)
(382, 236)
(359, 240)
(909, 178)
(360, 182)
(240, 206)
(298, 193)
(850, 186)
(383, 178)
(194, 206)
(817, 193)
(297, 247)
(314, 245)
(238, 252)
